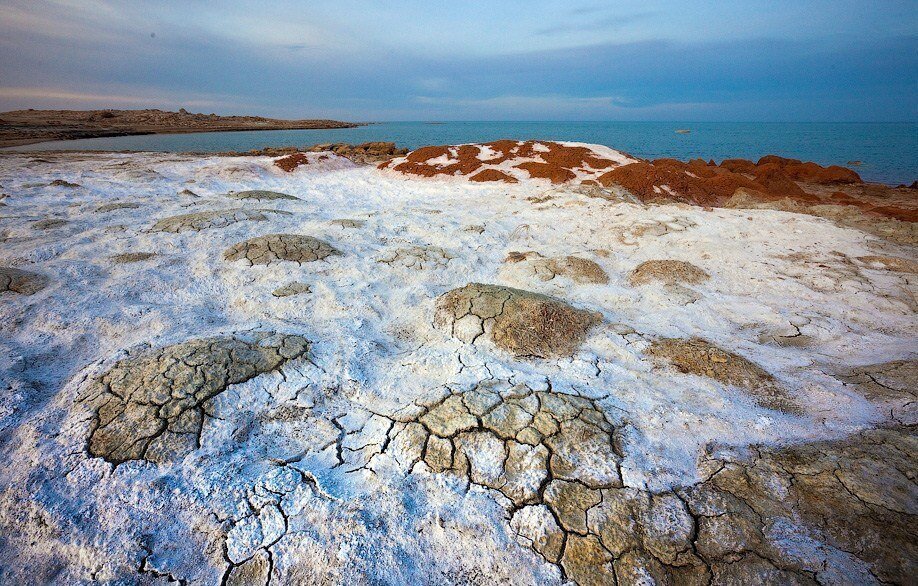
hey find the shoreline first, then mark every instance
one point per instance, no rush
(24, 127)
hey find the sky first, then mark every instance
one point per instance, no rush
(740, 60)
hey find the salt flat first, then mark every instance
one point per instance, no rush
(179, 406)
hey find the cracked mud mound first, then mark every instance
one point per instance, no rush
(197, 221)
(152, 406)
(260, 194)
(118, 205)
(701, 358)
(418, 258)
(132, 257)
(20, 281)
(263, 250)
(579, 270)
(521, 322)
(669, 272)
(49, 223)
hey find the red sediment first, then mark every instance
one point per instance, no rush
(811, 172)
(555, 173)
(777, 182)
(739, 166)
(668, 179)
(493, 175)
(549, 160)
(291, 162)
(466, 161)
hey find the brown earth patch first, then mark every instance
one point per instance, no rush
(291, 162)
(20, 281)
(579, 270)
(670, 272)
(701, 358)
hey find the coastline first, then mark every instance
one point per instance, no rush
(25, 127)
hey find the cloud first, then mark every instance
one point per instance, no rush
(611, 22)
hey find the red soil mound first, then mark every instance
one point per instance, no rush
(547, 171)
(493, 175)
(464, 161)
(811, 172)
(668, 179)
(705, 183)
(543, 160)
(291, 162)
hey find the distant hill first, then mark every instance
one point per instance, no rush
(20, 127)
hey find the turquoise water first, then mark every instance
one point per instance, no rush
(888, 151)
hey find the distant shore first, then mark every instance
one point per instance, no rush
(23, 127)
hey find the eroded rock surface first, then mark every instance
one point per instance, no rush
(521, 322)
(260, 194)
(263, 250)
(669, 272)
(152, 405)
(701, 358)
(20, 281)
(197, 221)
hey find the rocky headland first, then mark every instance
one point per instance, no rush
(21, 127)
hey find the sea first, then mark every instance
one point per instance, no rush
(879, 152)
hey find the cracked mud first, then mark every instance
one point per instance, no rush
(197, 221)
(263, 250)
(521, 322)
(152, 406)
(259, 194)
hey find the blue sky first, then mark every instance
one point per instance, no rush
(771, 60)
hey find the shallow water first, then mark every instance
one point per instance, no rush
(888, 151)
